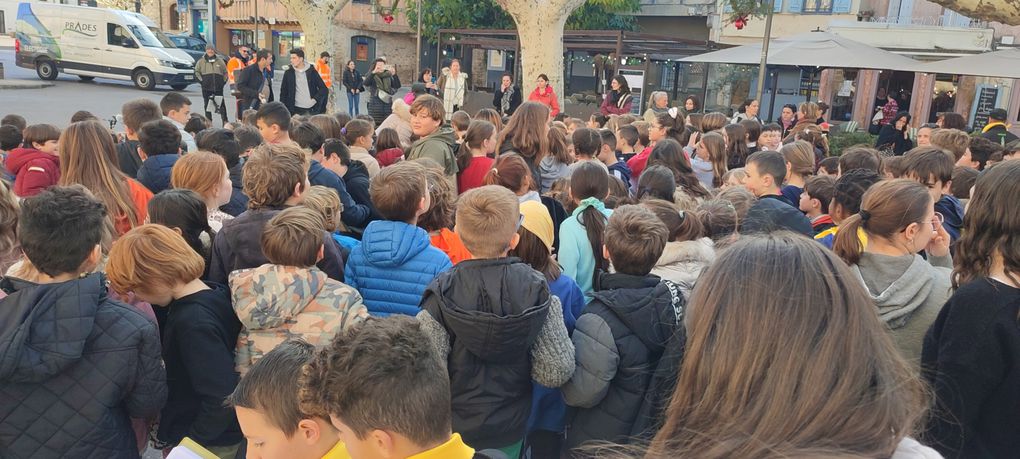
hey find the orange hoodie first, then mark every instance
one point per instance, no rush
(450, 243)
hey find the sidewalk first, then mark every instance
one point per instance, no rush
(23, 84)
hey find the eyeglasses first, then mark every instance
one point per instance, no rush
(937, 221)
(520, 221)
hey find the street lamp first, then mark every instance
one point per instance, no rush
(765, 50)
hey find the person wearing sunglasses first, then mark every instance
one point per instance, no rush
(882, 243)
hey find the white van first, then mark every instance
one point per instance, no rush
(98, 42)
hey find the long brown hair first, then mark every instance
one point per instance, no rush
(88, 157)
(525, 133)
(890, 206)
(474, 137)
(991, 226)
(669, 153)
(736, 145)
(716, 146)
(509, 171)
(558, 146)
(590, 180)
(808, 373)
(492, 116)
(801, 156)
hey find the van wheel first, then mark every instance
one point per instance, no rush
(179, 87)
(143, 80)
(46, 69)
(86, 78)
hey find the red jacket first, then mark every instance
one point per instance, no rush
(389, 156)
(34, 170)
(548, 99)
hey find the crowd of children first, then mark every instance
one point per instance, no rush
(532, 287)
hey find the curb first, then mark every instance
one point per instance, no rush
(8, 84)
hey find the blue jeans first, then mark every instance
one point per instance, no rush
(353, 103)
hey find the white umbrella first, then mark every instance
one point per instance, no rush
(1004, 63)
(812, 49)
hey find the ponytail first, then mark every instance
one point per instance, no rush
(463, 157)
(847, 245)
(594, 223)
(478, 131)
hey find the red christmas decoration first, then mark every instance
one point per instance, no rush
(387, 18)
(740, 22)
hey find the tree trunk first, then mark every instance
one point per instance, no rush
(1004, 11)
(318, 23)
(540, 30)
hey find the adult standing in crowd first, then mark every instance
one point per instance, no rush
(747, 111)
(325, 69)
(619, 99)
(238, 61)
(995, 130)
(302, 90)
(354, 84)
(507, 97)
(211, 73)
(545, 95)
(382, 84)
(253, 85)
(691, 105)
(658, 104)
(452, 86)
(894, 138)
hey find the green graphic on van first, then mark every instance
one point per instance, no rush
(88, 30)
(34, 36)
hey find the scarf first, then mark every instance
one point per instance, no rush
(590, 202)
(989, 126)
(384, 81)
(617, 99)
(504, 102)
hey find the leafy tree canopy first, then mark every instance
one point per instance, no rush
(486, 14)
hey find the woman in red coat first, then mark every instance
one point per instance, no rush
(619, 100)
(545, 95)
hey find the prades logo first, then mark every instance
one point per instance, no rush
(88, 30)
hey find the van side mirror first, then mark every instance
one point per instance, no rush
(128, 43)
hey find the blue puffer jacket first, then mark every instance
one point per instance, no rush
(155, 172)
(392, 267)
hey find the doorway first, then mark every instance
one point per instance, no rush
(363, 53)
(899, 84)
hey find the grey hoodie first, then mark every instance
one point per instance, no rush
(683, 261)
(908, 292)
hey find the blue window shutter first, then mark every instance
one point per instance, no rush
(795, 6)
(779, 6)
(841, 6)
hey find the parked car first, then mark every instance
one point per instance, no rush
(98, 42)
(194, 46)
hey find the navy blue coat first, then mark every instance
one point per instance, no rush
(75, 366)
(155, 172)
(354, 215)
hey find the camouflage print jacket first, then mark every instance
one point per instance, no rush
(276, 303)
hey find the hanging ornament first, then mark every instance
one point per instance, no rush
(386, 9)
(741, 11)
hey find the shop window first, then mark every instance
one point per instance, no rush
(817, 7)
(175, 18)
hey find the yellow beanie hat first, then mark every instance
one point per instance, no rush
(538, 221)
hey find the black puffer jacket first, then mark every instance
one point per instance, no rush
(238, 200)
(238, 246)
(628, 338)
(492, 311)
(75, 366)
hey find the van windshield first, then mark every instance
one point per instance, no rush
(150, 37)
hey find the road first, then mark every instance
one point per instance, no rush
(102, 97)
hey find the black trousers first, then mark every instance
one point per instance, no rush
(222, 109)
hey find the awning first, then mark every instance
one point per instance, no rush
(1004, 63)
(812, 49)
